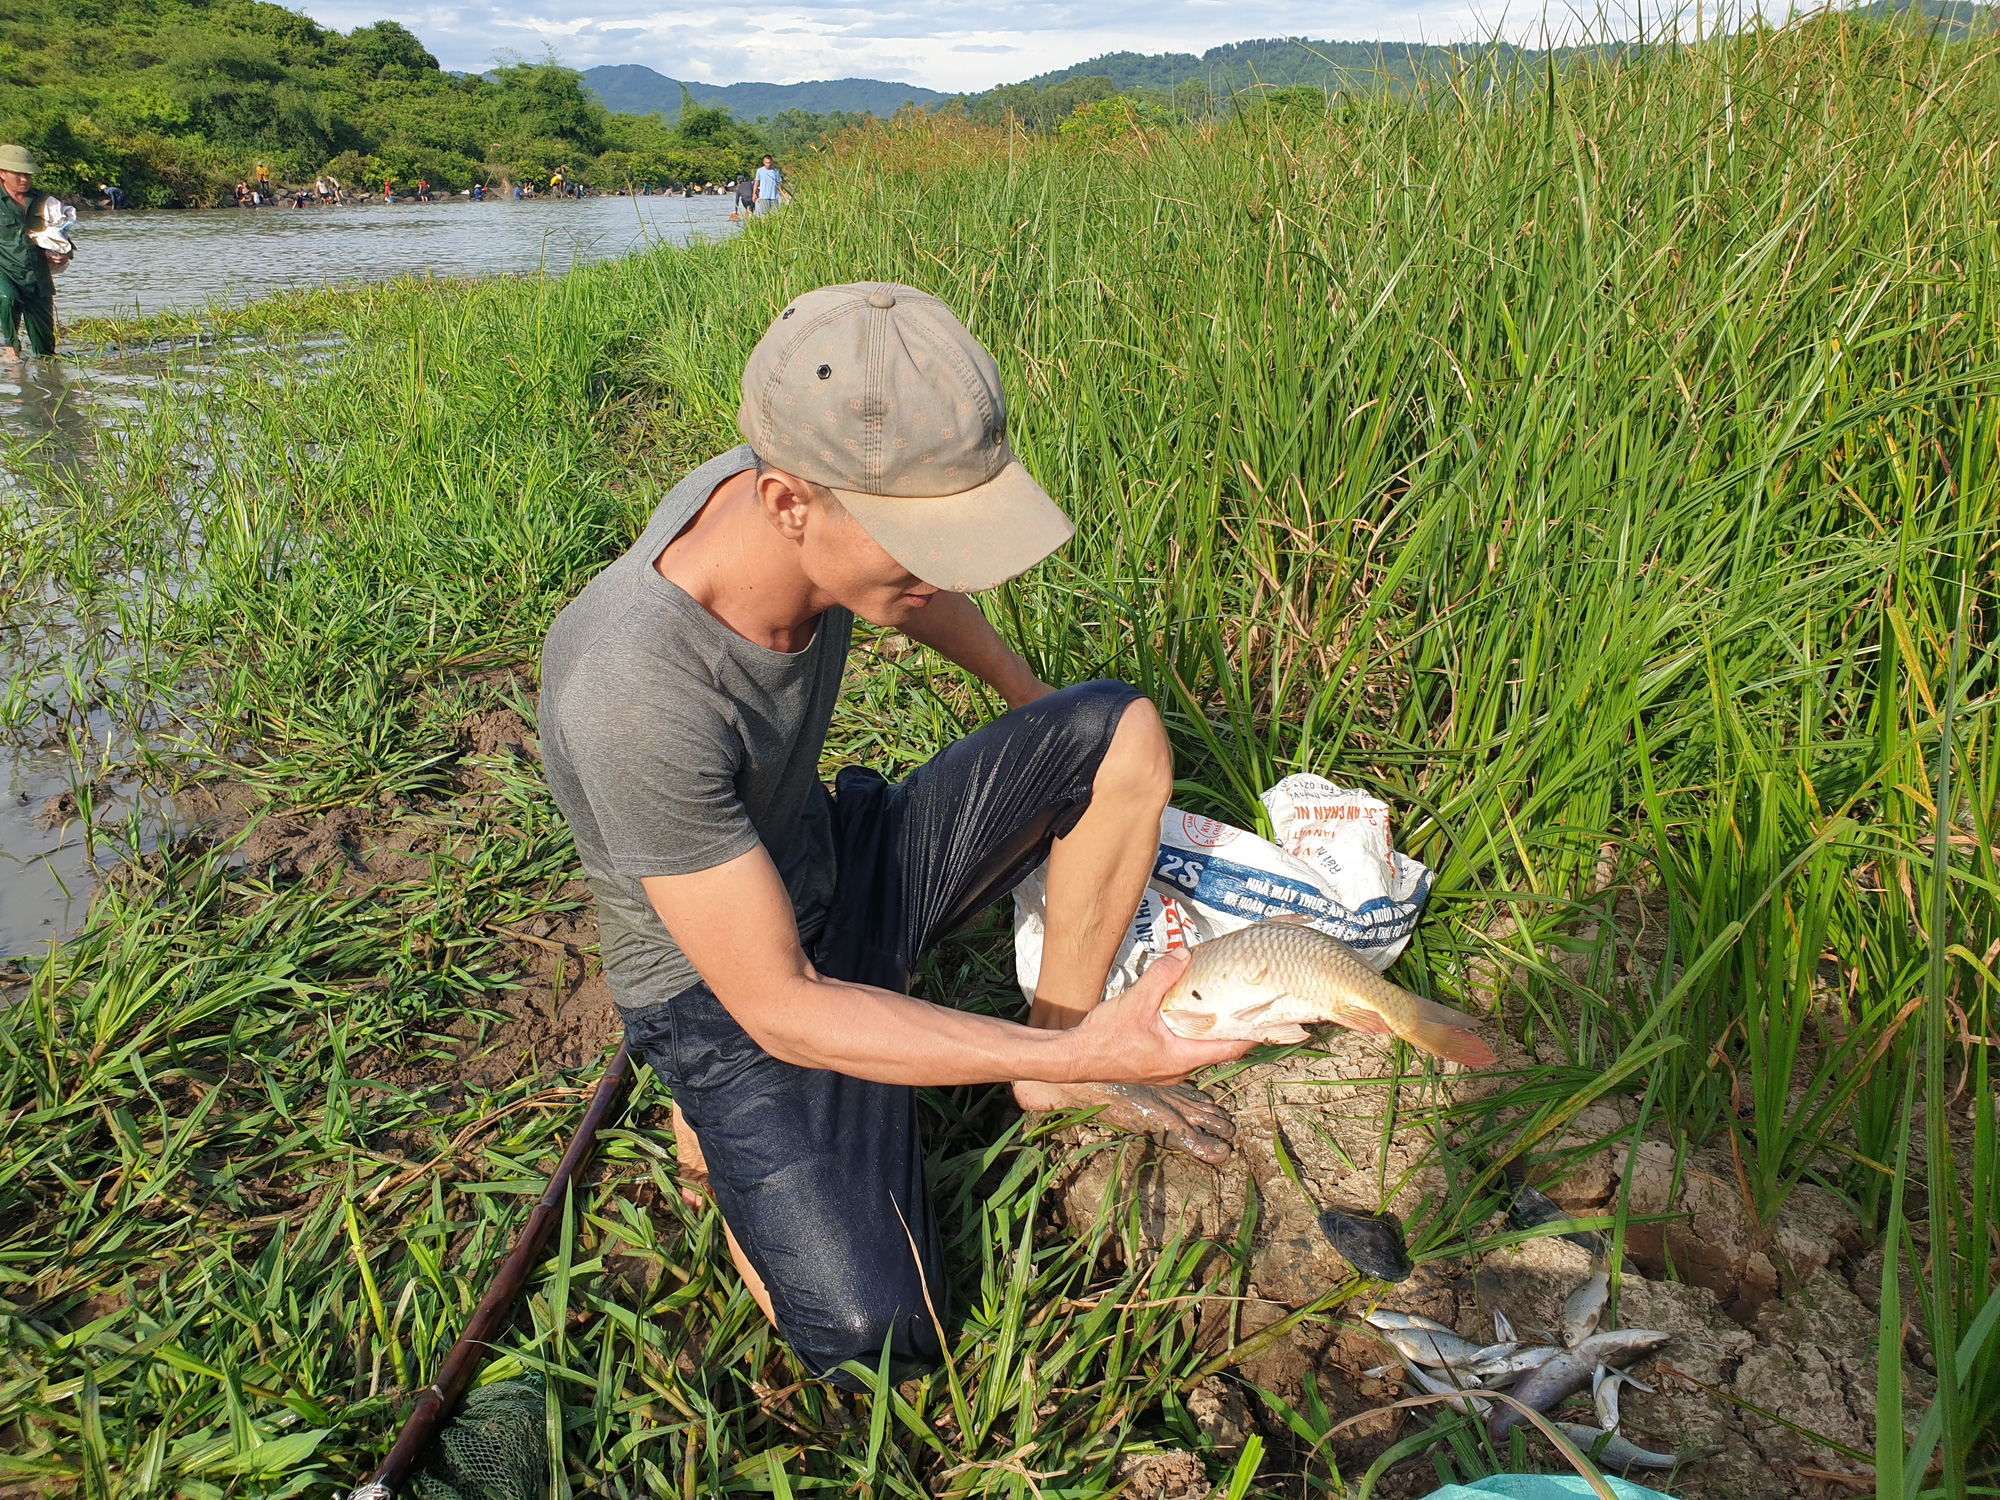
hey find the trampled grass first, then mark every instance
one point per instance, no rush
(1602, 468)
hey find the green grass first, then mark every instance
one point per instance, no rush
(1605, 465)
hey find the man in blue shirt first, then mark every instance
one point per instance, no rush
(770, 183)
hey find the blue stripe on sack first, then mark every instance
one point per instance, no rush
(1224, 885)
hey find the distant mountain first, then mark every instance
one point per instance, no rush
(1276, 62)
(632, 89)
(1273, 62)
(1954, 20)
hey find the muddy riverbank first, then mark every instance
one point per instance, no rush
(1769, 1376)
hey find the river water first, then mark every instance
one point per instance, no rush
(51, 411)
(185, 260)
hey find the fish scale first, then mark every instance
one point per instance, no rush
(1267, 982)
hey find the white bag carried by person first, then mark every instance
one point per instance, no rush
(1333, 864)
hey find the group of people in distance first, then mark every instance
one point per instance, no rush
(755, 192)
(762, 191)
(324, 190)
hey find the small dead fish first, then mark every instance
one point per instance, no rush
(1439, 1351)
(1619, 1347)
(1415, 1337)
(1492, 1352)
(1520, 1362)
(1267, 981)
(1617, 1452)
(1371, 1243)
(1389, 1317)
(1543, 1388)
(1570, 1371)
(1533, 1208)
(1604, 1394)
(1444, 1386)
(1583, 1307)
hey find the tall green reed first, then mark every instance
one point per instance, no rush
(1601, 471)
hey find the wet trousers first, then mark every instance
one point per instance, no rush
(819, 1176)
(31, 306)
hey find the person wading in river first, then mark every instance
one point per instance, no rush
(759, 934)
(770, 185)
(27, 271)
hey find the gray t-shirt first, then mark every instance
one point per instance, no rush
(673, 745)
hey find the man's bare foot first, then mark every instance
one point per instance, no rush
(693, 1165)
(1188, 1118)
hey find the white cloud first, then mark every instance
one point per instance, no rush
(942, 44)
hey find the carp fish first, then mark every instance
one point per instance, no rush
(1268, 981)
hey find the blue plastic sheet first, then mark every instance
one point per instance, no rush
(1542, 1487)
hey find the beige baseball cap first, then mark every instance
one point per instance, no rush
(878, 392)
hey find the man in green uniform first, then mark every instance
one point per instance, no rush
(27, 285)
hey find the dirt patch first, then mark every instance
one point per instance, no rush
(58, 810)
(1172, 1475)
(560, 1017)
(497, 734)
(289, 848)
(556, 1014)
(1795, 1340)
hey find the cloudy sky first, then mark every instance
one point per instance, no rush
(942, 44)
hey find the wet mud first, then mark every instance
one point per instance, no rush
(557, 1016)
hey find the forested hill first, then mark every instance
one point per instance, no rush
(1282, 62)
(638, 90)
(176, 100)
(1278, 62)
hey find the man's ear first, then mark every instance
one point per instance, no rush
(785, 501)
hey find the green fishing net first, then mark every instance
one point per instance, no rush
(496, 1448)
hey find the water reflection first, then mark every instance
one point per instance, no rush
(185, 260)
(63, 812)
(71, 707)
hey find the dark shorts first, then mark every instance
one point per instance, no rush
(820, 1176)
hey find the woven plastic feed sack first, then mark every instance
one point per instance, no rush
(1333, 864)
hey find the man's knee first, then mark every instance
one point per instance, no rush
(1138, 766)
(857, 1331)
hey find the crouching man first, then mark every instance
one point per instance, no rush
(760, 934)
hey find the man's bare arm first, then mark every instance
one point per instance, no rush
(734, 923)
(952, 626)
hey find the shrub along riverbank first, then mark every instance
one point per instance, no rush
(175, 102)
(1604, 473)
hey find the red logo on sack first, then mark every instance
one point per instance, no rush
(1206, 831)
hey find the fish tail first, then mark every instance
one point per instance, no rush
(1455, 1042)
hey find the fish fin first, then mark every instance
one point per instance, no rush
(1442, 1015)
(1366, 1022)
(1459, 1044)
(1257, 1010)
(1191, 1025)
(1293, 918)
(1284, 1036)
